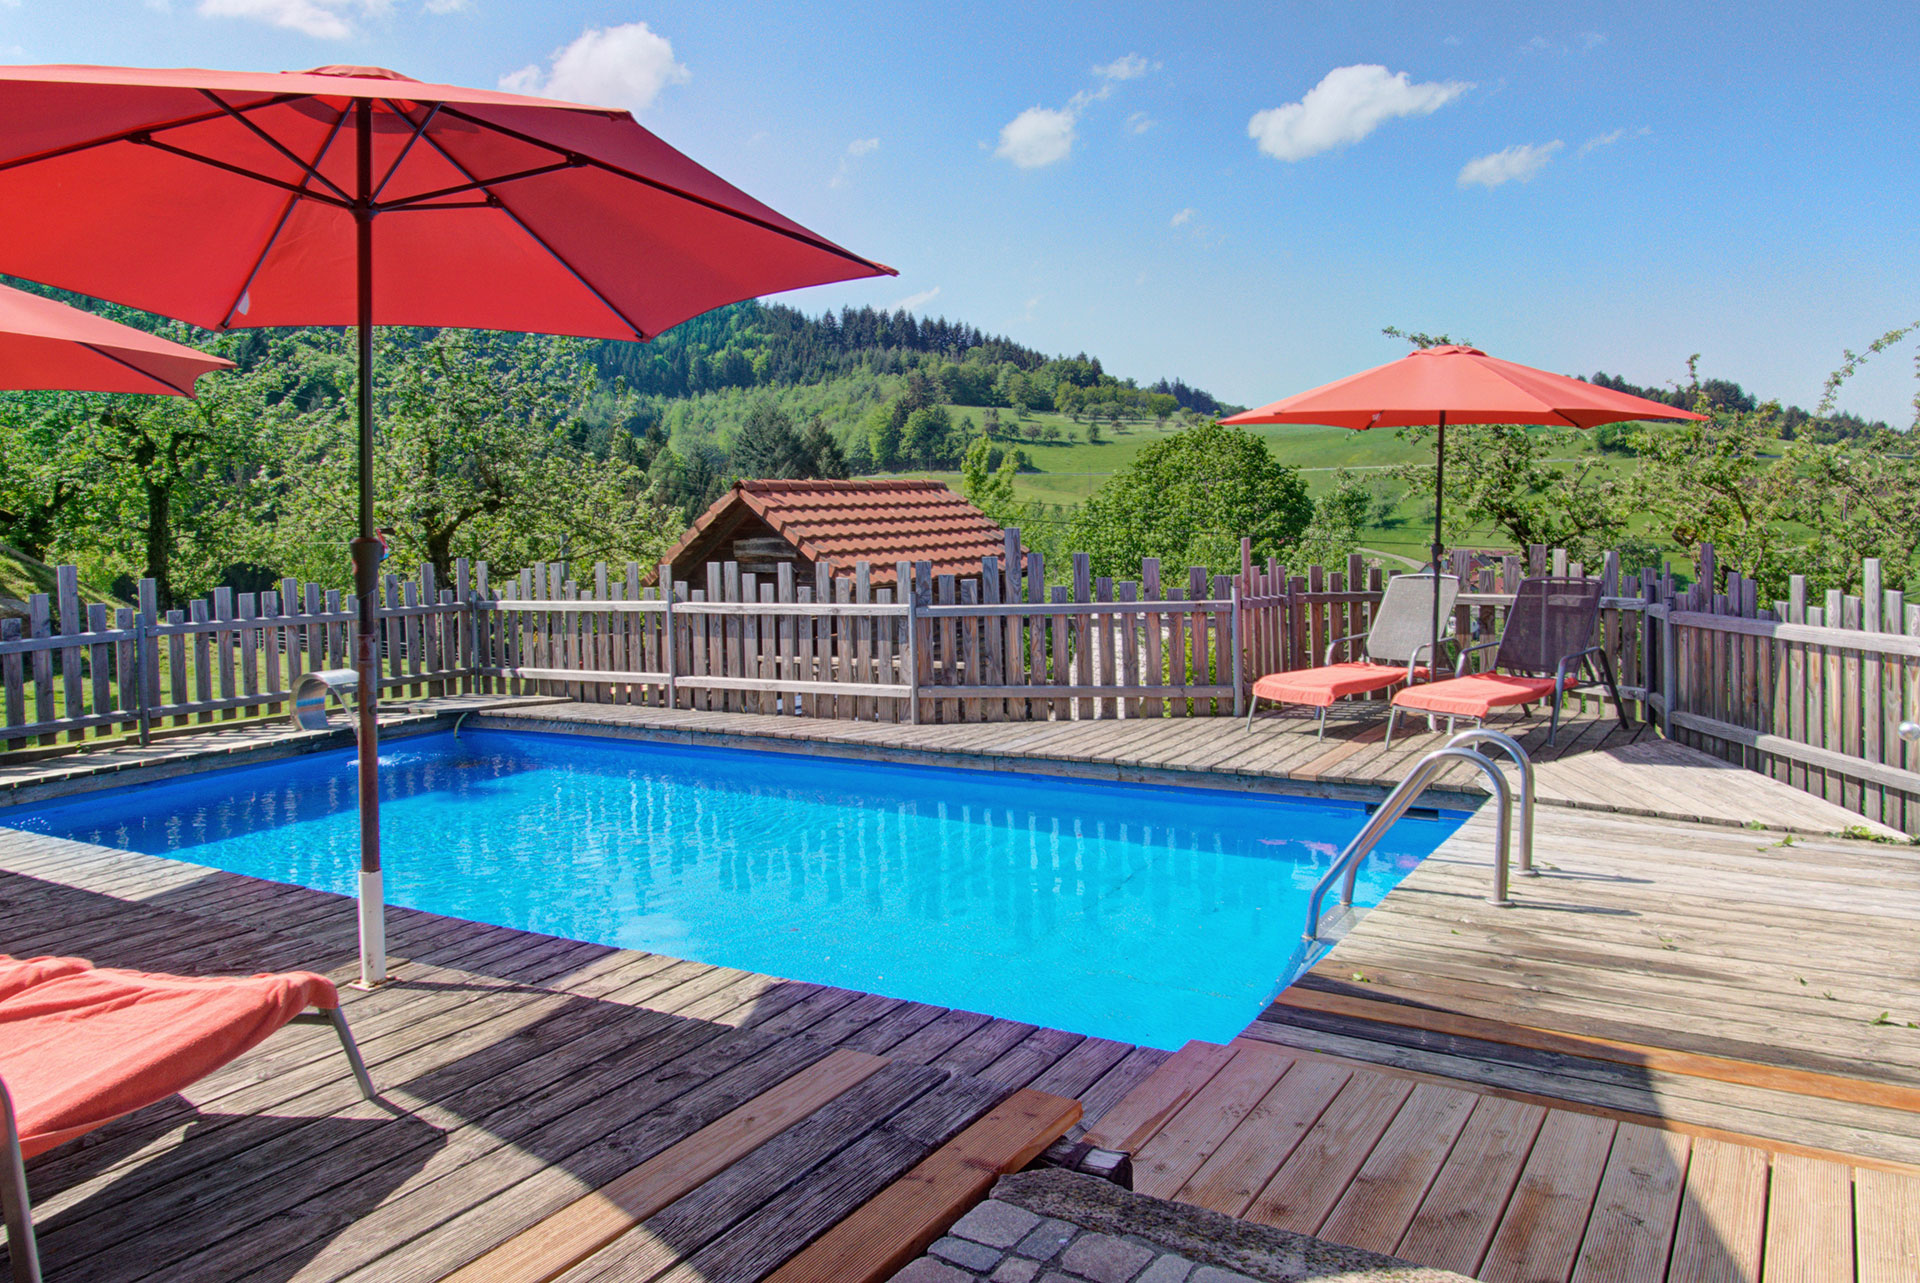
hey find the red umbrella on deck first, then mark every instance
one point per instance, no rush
(358, 196)
(46, 345)
(1453, 383)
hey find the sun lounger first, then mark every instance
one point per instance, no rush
(1390, 653)
(1550, 630)
(81, 1046)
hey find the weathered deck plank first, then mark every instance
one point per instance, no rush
(532, 1070)
(1467, 1179)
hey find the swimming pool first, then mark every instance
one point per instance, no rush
(1145, 914)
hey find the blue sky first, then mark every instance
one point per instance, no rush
(1240, 195)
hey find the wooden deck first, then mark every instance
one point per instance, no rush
(1595, 765)
(1497, 1186)
(723, 1119)
(1691, 1051)
(1720, 977)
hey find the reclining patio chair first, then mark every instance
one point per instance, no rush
(81, 1046)
(1390, 653)
(1550, 629)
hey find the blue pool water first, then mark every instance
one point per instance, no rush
(1148, 915)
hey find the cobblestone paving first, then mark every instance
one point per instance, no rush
(1054, 1227)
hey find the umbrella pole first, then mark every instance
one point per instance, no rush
(1439, 497)
(366, 587)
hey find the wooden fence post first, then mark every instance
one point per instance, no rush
(1239, 690)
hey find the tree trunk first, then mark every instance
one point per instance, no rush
(160, 542)
(440, 552)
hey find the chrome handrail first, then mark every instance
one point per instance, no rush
(1347, 865)
(1511, 747)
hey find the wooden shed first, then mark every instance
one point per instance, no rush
(761, 524)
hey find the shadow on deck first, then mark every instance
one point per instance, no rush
(523, 1071)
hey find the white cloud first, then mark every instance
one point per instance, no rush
(1184, 217)
(1601, 140)
(322, 19)
(1131, 67)
(625, 66)
(1348, 104)
(1038, 137)
(1592, 39)
(445, 6)
(857, 148)
(1517, 163)
(914, 302)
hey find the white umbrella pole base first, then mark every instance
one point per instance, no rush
(373, 931)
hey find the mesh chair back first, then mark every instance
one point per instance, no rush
(1403, 621)
(1550, 619)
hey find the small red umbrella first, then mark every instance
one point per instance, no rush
(46, 345)
(1458, 384)
(358, 196)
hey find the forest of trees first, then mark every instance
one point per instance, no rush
(1790, 422)
(762, 345)
(515, 448)
(883, 385)
(505, 446)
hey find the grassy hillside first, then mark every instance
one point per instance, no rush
(1071, 470)
(21, 577)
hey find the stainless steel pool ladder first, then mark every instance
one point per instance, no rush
(1464, 747)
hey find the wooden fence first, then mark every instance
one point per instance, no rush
(90, 670)
(1001, 645)
(1809, 693)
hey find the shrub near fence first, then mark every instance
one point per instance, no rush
(1811, 694)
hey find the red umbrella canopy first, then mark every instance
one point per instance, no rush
(357, 196)
(1464, 384)
(228, 198)
(47, 345)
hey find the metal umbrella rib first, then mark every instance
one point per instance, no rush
(280, 224)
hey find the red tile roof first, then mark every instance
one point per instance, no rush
(879, 522)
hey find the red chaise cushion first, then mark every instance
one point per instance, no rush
(80, 1046)
(1475, 696)
(1320, 687)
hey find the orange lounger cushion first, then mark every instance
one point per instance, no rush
(1474, 696)
(81, 1047)
(1320, 687)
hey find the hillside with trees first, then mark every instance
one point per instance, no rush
(510, 447)
(515, 448)
(892, 391)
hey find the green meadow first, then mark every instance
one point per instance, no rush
(1070, 469)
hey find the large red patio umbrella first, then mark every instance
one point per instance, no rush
(1456, 383)
(46, 345)
(248, 199)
